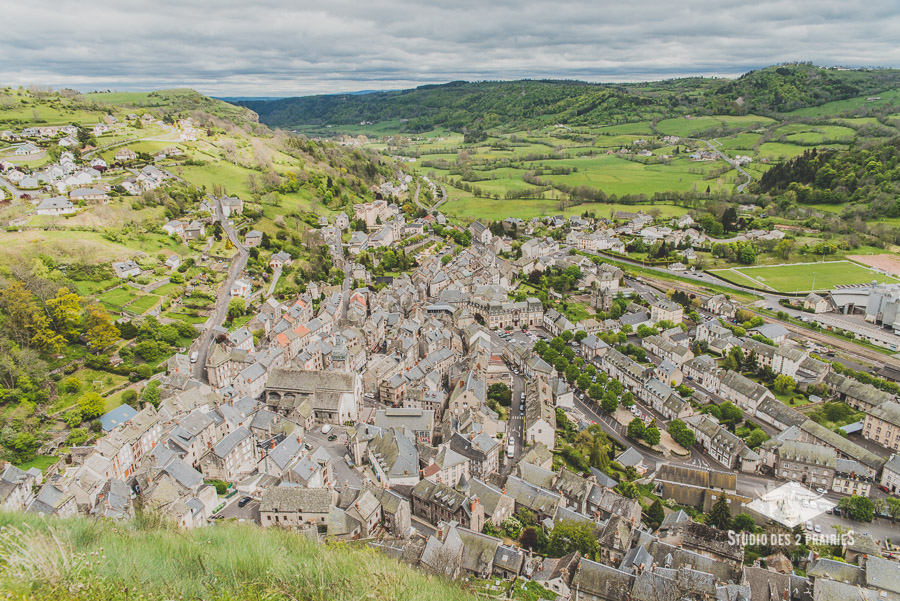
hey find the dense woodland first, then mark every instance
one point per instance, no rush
(864, 174)
(513, 105)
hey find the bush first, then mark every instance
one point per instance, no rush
(70, 385)
(130, 397)
(91, 405)
(77, 437)
(220, 486)
(72, 418)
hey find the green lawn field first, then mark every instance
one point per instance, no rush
(804, 277)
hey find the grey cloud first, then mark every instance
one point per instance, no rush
(283, 47)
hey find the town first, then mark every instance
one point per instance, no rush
(509, 401)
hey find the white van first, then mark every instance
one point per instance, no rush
(326, 428)
(194, 356)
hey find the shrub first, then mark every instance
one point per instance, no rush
(78, 436)
(72, 418)
(70, 385)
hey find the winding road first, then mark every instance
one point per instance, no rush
(740, 188)
(238, 262)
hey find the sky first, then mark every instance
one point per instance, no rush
(298, 47)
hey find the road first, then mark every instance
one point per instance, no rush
(238, 262)
(771, 300)
(12, 189)
(276, 275)
(166, 137)
(715, 149)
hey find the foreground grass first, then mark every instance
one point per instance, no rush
(78, 558)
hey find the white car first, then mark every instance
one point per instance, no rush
(809, 526)
(818, 529)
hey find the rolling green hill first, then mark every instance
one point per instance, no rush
(511, 105)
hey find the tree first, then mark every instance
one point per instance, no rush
(720, 514)
(756, 438)
(567, 336)
(627, 489)
(580, 335)
(236, 308)
(609, 403)
(743, 522)
(572, 373)
(730, 413)
(628, 399)
(784, 247)
(130, 397)
(652, 436)
(893, 507)
(77, 437)
(636, 428)
(681, 433)
(784, 384)
(595, 391)
(729, 219)
(655, 513)
(568, 536)
(751, 362)
(858, 508)
(70, 385)
(583, 382)
(100, 332)
(65, 312)
(72, 418)
(92, 405)
(501, 393)
(150, 394)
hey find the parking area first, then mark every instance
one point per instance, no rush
(247, 513)
(335, 442)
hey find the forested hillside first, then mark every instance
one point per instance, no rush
(522, 104)
(868, 174)
(790, 87)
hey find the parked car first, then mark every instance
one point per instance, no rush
(243, 502)
(809, 526)
(818, 529)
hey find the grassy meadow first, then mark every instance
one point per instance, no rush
(80, 558)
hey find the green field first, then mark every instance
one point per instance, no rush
(497, 210)
(688, 127)
(803, 277)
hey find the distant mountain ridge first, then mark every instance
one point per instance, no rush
(525, 103)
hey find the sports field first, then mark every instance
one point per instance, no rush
(803, 277)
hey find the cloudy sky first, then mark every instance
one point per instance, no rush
(296, 47)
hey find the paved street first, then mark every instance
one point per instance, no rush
(238, 262)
